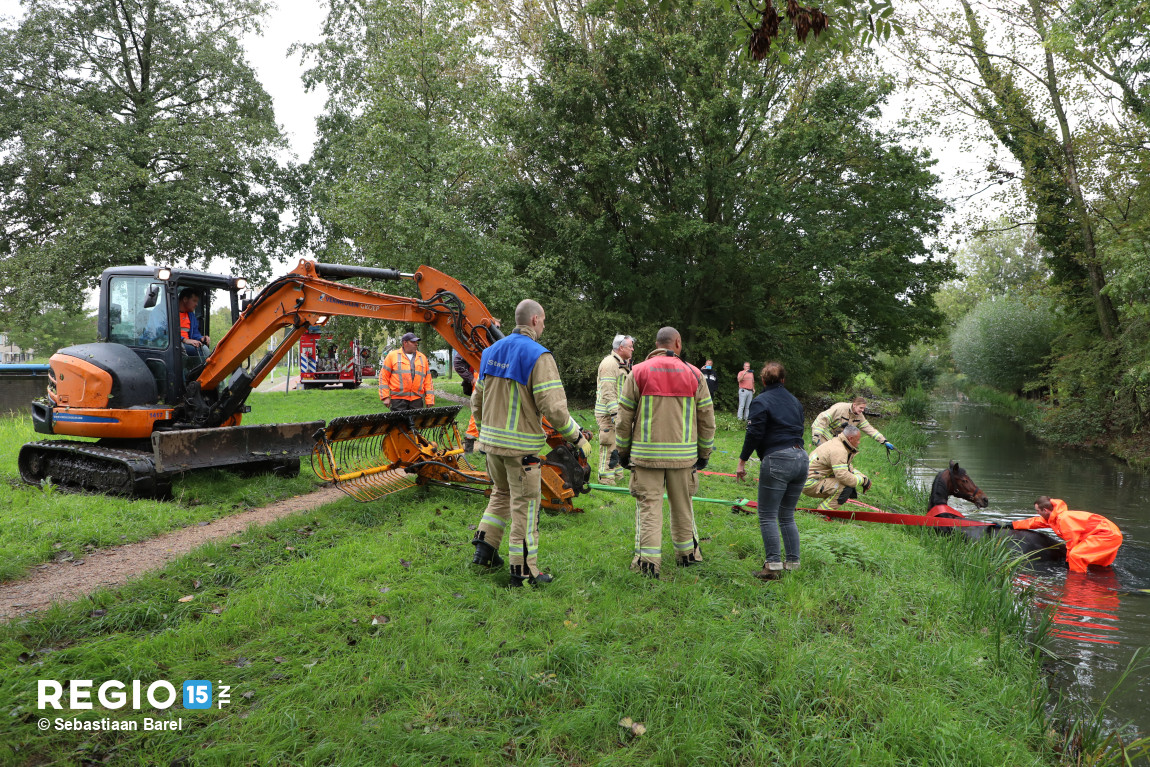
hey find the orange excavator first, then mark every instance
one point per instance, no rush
(157, 408)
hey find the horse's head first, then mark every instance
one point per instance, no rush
(962, 486)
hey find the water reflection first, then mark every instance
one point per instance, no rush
(1102, 616)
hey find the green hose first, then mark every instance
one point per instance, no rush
(625, 491)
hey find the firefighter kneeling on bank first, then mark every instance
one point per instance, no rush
(831, 476)
(665, 432)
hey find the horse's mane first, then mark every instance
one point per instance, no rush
(940, 490)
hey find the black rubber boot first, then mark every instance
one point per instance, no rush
(517, 577)
(485, 553)
(468, 444)
(648, 569)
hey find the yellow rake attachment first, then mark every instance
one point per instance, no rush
(370, 456)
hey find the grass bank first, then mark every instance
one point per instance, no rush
(359, 634)
(41, 523)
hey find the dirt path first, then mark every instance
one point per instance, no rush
(115, 566)
(68, 581)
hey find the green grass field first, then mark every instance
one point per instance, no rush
(360, 634)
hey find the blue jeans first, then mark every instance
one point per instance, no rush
(781, 481)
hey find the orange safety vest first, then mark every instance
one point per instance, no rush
(399, 379)
(1091, 539)
(185, 325)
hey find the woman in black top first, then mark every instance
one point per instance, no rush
(775, 432)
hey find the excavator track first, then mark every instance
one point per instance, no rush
(87, 466)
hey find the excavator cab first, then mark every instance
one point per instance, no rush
(140, 310)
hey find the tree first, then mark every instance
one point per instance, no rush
(407, 169)
(1003, 342)
(664, 179)
(47, 332)
(1006, 260)
(1033, 105)
(132, 132)
(1110, 39)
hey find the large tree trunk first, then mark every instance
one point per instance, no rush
(1107, 317)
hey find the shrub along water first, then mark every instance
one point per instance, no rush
(359, 633)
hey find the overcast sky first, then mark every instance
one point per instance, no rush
(290, 21)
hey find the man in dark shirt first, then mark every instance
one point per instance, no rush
(710, 377)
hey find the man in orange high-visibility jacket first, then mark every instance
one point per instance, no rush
(1091, 539)
(405, 378)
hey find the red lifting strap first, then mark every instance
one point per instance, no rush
(914, 520)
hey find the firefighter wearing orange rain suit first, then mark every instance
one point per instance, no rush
(1091, 539)
(405, 378)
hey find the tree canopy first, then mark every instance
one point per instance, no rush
(642, 172)
(132, 132)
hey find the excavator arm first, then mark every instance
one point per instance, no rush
(309, 295)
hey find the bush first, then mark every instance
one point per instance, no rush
(1003, 342)
(915, 403)
(918, 367)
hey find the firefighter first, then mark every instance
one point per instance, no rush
(612, 372)
(405, 377)
(1091, 539)
(467, 377)
(832, 420)
(831, 476)
(665, 433)
(516, 387)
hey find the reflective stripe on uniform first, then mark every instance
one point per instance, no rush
(528, 443)
(494, 521)
(539, 388)
(570, 429)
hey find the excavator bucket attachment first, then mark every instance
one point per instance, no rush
(370, 456)
(228, 446)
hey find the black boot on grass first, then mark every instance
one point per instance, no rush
(485, 553)
(518, 576)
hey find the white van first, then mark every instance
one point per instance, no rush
(440, 363)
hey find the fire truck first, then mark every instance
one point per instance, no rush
(322, 363)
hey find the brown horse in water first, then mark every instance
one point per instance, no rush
(955, 481)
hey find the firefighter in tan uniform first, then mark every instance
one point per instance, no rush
(518, 385)
(831, 421)
(612, 372)
(831, 476)
(665, 432)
